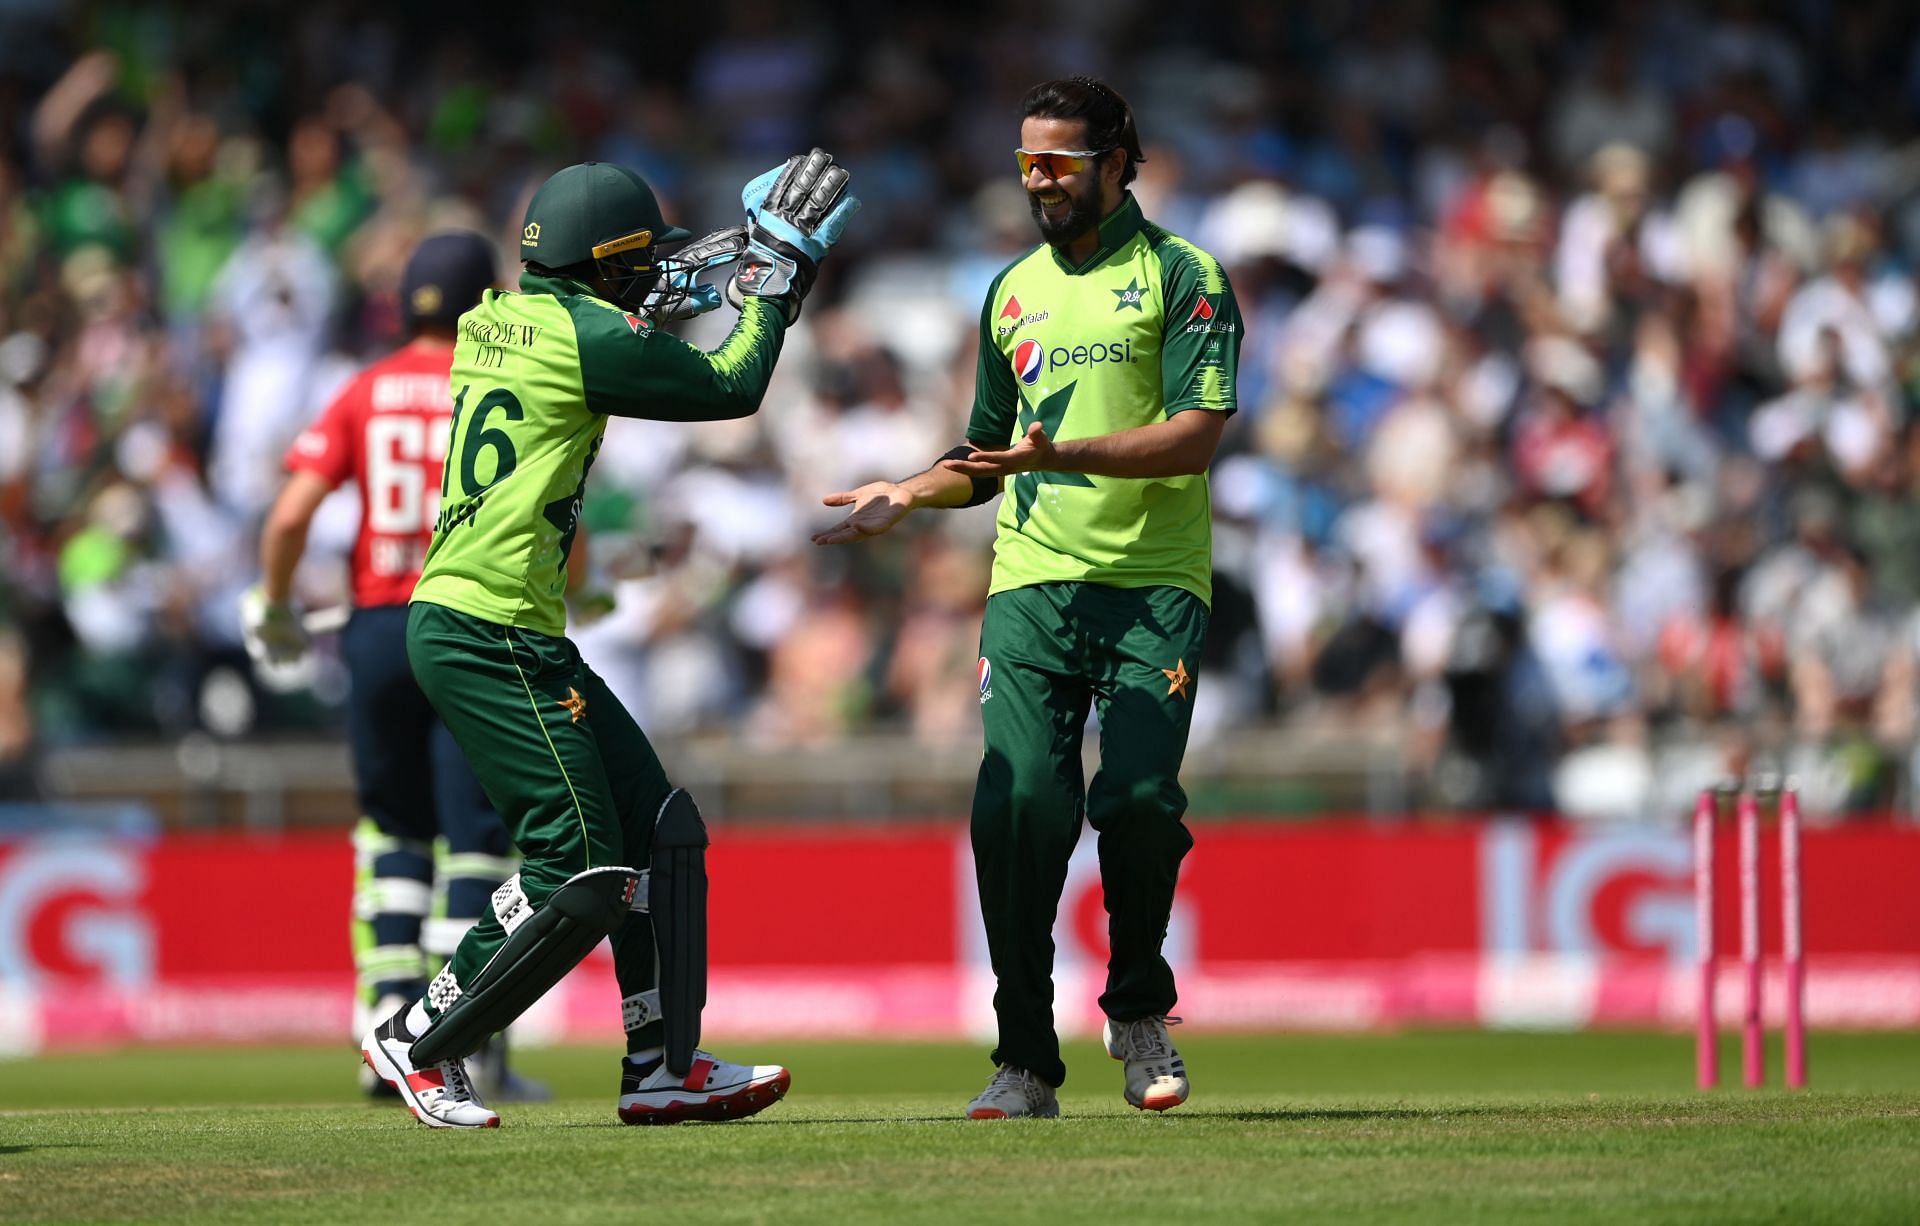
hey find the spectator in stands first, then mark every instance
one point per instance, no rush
(1651, 270)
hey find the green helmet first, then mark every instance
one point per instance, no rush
(601, 214)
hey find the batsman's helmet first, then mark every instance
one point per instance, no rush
(444, 278)
(601, 216)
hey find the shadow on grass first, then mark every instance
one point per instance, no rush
(1301, 1115)
(25, 1149)
(808, 1122)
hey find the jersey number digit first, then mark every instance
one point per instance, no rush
(480, 438)
(399, 500)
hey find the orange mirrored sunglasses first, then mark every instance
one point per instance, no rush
(1056, 163)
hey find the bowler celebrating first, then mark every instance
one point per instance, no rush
(1106, 373)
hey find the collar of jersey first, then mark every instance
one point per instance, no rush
(1115, 229)
(559, 287)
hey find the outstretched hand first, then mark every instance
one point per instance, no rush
(1034, 452)
(877, 507)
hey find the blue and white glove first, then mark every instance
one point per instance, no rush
(795, 212)
(696, 300)
(680, 294)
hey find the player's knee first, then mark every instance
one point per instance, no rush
(1134, 795)
(597, 899)
(678, 822)
(1036, 794)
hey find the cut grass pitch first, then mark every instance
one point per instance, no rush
(1417, 1127)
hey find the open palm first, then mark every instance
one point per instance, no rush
(877, 507)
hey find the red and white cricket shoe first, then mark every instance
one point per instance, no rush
(440, 1095)
(1015, 1094)
(1156, 1075)
(712, 1090)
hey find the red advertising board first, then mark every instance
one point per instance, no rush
(859, 930)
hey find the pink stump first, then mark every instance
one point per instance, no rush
(1753, 1038)
(1706, 1037)
(1790, 944)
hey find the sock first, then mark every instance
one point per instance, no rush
(645, 1056)
(417, 1019)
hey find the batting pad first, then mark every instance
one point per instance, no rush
(543, 944)
(677, 900)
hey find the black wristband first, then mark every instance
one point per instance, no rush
(984, 488)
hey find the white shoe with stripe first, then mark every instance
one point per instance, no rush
(1014, 1094)
(712, 1089)
(440, 1095)
(1156, 1075)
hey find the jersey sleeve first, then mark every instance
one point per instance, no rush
(629, 368)
(996, 401)
(1200, 343)
(327, 447)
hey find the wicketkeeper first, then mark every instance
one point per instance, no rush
(610, 848)
(429, 851)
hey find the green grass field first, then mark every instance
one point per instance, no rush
(1418, 1127)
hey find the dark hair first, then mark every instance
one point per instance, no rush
(1109, 119)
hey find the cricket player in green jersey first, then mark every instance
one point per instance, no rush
(1106, 374)
(609, 847)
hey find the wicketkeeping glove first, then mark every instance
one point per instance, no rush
(679, 293)
(271, 631)
(795, 212)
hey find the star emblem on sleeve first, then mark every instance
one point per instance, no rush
(577, 706)
(1178, 679)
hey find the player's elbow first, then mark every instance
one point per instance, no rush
(738, 406)
(727, 401)
(1191, 461)
(288, 521)
(1198, 438)
(282, 542)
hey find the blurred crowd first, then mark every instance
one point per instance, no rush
(1574, 449)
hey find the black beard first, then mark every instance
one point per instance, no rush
(1083, 214)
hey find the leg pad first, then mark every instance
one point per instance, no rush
(677, 900)
(542, 945)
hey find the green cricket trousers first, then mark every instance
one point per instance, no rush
(563, 762)
(1047, 652)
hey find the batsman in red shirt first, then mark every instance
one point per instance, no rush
(387, 431)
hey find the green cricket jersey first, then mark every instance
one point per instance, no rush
(1146, 328)
(535, 375)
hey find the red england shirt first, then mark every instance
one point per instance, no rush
(387, 431)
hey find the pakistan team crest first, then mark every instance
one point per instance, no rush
(1178, 680)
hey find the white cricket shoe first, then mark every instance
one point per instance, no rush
(1014, 1093)
(366, 1017)
(1156, 1075)
(440, 1095)
(712, 1090)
